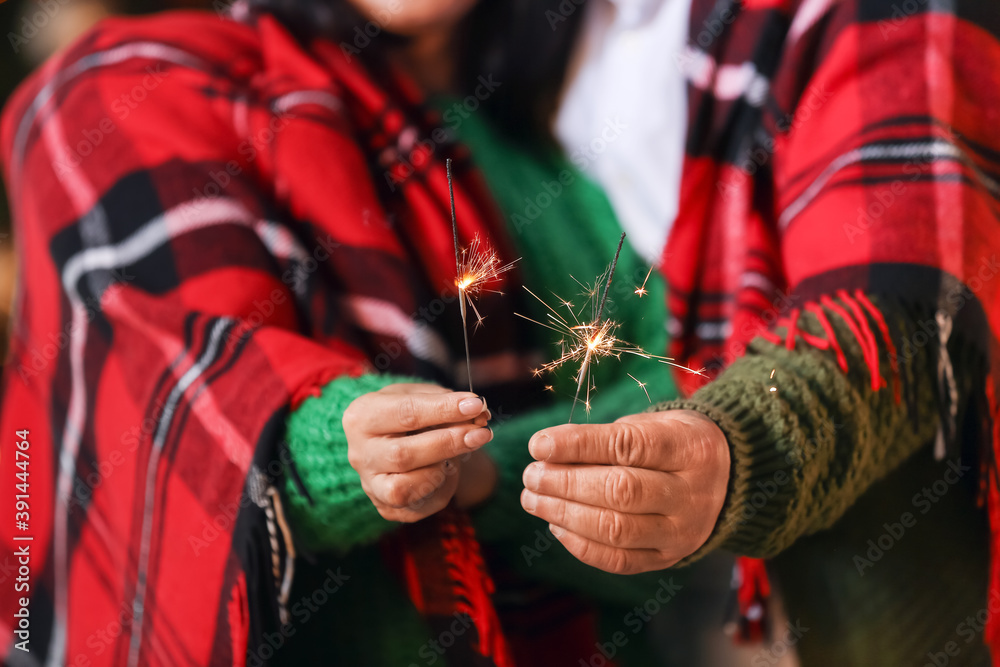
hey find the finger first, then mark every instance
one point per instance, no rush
(611, 559)
(422, 508)
(418, 388)
(414, 388)
(631, 490)
(479, 422)
(414, 489)
(393, 413)
(435, 502)
(403, 454)
(638, 444)
(600, 524)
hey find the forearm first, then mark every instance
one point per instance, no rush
(327, 507)
(810, 429)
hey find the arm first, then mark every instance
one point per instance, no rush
(768, 467)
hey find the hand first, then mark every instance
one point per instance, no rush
(633, 496)
(403, 441)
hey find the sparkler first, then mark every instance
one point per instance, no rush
(475, 267)
(587, 342)
(641, 291)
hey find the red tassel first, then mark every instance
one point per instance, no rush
(753, 589)
(890, 346)
(473, 587)
(831, 336)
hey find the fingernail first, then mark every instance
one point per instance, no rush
(529, 501)
(476, 438)
(540, 447)
(556, 530)
(532, 476)
(471, 406)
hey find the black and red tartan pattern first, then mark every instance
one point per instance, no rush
(805, 119)
(202, 264)
(835, 146)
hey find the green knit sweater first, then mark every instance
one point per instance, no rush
(879, 553)
(883, 556)
(336, 525)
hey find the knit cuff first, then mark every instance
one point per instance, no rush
(761, 482)
(326, 506)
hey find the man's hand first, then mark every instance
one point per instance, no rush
(633, 496)
(408, 443)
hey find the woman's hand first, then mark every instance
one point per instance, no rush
(407, 442)
(633, 496)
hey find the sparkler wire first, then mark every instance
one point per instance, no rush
(458, 265)
(585, 366)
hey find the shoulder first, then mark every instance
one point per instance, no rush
(125, 60)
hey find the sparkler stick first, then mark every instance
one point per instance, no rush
(458, 274)
(595, 341)
(475, 267)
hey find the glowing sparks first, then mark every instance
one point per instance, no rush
(476, 268)
(642, 291)
(642, 385)
(772, 377)
(586, 342)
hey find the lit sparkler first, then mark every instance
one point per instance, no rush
(476, 267)
(587, 342)
(641, 291)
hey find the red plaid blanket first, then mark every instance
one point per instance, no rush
(831, 145)
(839, 144)
(194, 264)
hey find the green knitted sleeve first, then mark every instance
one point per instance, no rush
(327, 508)
(806, 438)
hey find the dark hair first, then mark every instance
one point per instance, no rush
(523, 44)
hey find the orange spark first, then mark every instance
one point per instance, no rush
(642, 291)
(586, 342)
(479, 267)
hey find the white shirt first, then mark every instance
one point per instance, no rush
(623, 116)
